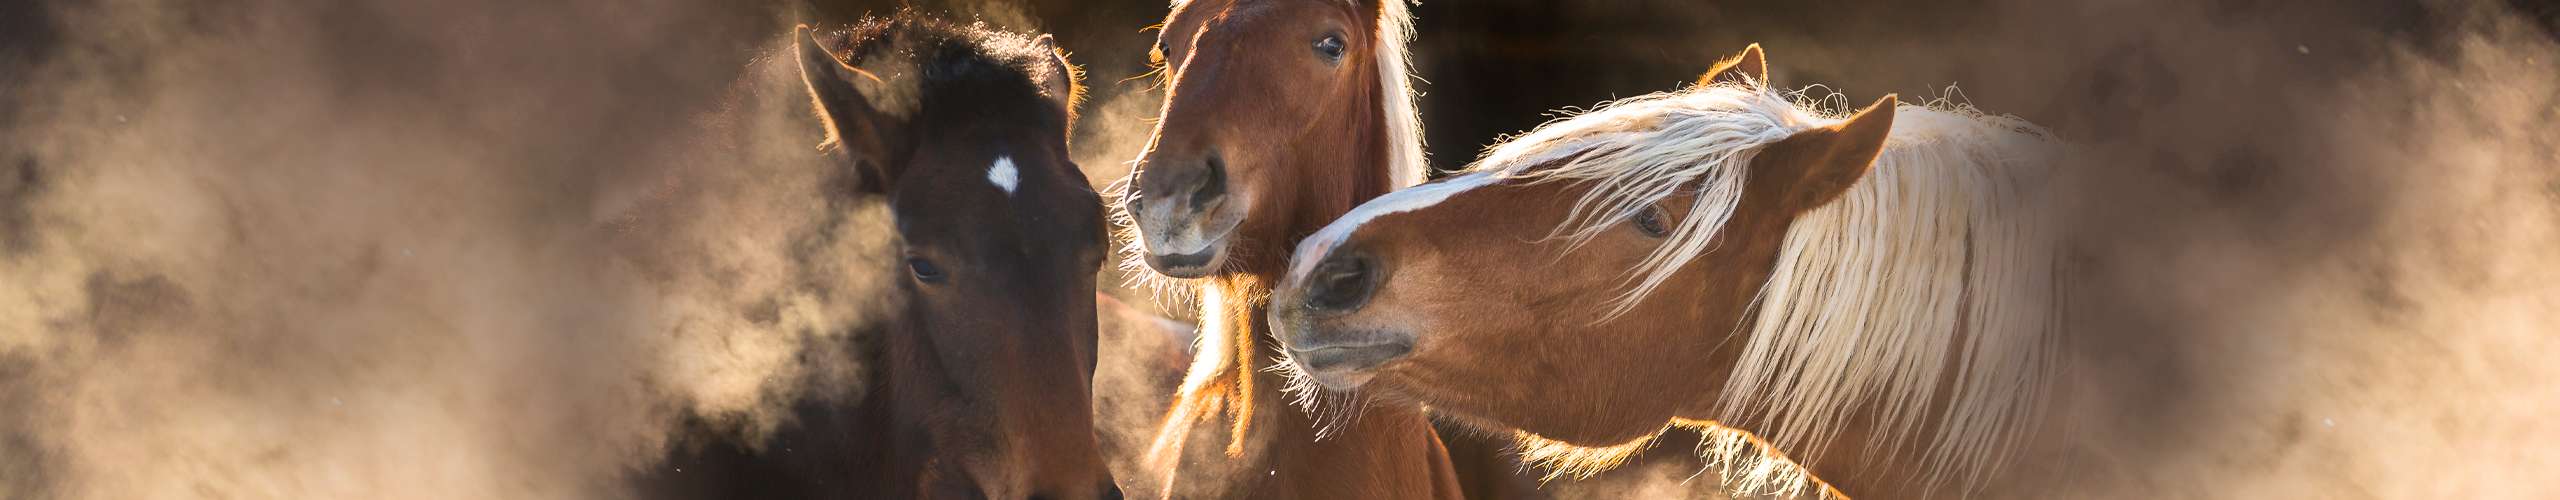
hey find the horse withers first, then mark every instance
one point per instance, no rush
(1866, 295)
(979, 386)
(1279, 115)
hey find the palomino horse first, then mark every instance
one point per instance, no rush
(1280, 115)
(1871, 293)
(980, 387)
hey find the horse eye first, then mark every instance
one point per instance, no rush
(1649, 220)
(1330, 47)
(924, 270)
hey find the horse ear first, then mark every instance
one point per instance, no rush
(1064, 82)
(1815, 166)
(849, 104)
(1741, 69)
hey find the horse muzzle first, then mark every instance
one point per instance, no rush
(1185, 207)
(1317, 322)
(1183, 241)
(1345, 366)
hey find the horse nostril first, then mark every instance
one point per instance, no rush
(1341, 283)
(1213, 182)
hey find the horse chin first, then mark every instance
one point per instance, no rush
(1340, 381)
(1193, 265)
(1346, 367)
(1204, 254)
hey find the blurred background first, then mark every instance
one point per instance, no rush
(288, 249)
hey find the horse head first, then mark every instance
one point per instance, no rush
(987, 381)
(1278, 115)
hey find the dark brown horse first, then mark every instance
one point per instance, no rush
(980, 386)
(1872, 293)
(1279, 115)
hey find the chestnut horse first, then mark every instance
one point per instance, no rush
(980, 386)
(1873, 294)
(1279, 116)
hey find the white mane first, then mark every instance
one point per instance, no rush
(1936, 268)
(1405, 161)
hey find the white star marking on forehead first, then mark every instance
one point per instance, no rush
(1003, 175)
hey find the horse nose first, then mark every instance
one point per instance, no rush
(1195, 185)
(1343, 282)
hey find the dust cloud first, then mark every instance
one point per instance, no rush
(2341, 286)
(385, 249)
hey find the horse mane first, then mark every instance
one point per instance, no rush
(921, 53)
(1934, 269)
(1406, 163)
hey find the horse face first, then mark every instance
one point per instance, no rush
(1260, 95)
(1000, 237)
(989, 365)
(1463, 295)
(996, 347)
(1469, 306)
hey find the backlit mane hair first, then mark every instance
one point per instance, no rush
(1406, 163)
(1935, 269)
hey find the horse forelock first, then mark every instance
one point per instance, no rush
(1931, 254)
(914, 53)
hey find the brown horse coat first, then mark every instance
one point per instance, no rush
(1280, 115)
(978, 387)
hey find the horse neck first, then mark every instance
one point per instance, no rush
(1846, 462)
(1392, 445)
(1877, 448)
(1386, 448)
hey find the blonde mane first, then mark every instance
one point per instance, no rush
(1936, 268)
(1406, 163)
